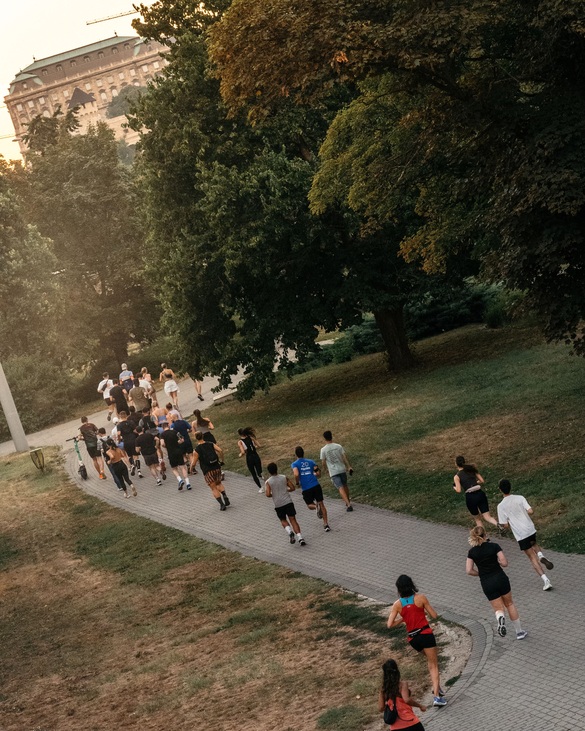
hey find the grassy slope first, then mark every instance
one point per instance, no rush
(503, 398)
(109, 621)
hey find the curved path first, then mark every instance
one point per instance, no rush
(533, 685)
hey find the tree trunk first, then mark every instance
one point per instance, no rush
(391, 324)
(118, 345)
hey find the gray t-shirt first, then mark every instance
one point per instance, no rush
(333, 454)
(280, 494)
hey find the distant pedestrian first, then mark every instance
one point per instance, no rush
(148, 446)
(248, 446)
(412, 608)
(118, 464)
(104, 387)
(128, 435)
(333, 457)
(210, 457)
(89, 434)
(118, 394)
(395, 695)
(307, 475)
(486, 560)
(172, 412)
(204, 425)
(197, 384)
(104, 444)
(126, 378)
(469, 481)
(279, 487)
(146, 383)
(172, 442)
(514, 511)
(138, 396)
(184, 429)
(168, 377)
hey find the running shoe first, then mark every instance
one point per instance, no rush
(260, 490)
(549, 564)
(502, 631)
(181, 483)
(188, 486)
(439, 702)
(132, 470)
(291, 538)
(164, 475)
(302, 542)
(521, 635)
(547, 585)
(102, 476)
(222, 506)
(319, 512)
(134, 492)
(109, 417)
(441, 693)
(326, 528)
(226, 500)
(194, 472)
(126, 494)
(120, 489)
(349, 509)
(222, 475)
(159, 483)
(200, 397)
(140, 474)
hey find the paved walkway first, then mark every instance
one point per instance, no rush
(533, 685)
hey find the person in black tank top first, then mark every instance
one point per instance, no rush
(469, 481)
(249, 448)
(210, 457)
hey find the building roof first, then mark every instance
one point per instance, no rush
(91, 48)
(79, 98)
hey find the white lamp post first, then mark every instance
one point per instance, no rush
(11, 414)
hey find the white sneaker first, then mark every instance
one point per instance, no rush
(260, 489)
(547, 585)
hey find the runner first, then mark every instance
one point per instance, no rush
(184, 429)
(197, 383)
(138, 396)
(104, 388)
(412, 608)
(172, 412)
(170, 384)
(171, 440)
(127, 432)
(148, 386)
(149, 447)
(514, 511)
(126, 378)
(248, 446)
(119, 466)
(469, 481)
(210, 457)
(200, 423)
(333, 457)
(306, 474)
(279, 487)
(89, 434)
(148, 423)
(118, 395)
(395, 694)
(486, 560)
(104, 443)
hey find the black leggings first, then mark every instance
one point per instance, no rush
(255, 466)
(121, 471)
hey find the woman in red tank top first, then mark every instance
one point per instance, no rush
(412, 608)
(395, 693)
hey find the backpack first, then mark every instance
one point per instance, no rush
(149, 425)
(209, 456)
(390, 714)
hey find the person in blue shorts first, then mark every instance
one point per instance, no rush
(307, 475)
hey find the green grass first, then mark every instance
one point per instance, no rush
(503, 398)
(343, 718)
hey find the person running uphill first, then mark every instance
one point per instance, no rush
(210, 457)
(486, 560)
(118, 464)
(395, 694)
(248, 445)
(412, 608)
(333, 457)
(279, 487)
(89, 434)
(307, 475)
(514, 511)
(469, 481)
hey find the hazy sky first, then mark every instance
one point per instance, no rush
(43, 28)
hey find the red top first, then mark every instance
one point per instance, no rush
(406, 716)
(414, 616)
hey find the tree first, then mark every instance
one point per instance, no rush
(122, 104)
(86, 202)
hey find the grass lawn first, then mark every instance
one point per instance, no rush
(110, 621)
(503, 398)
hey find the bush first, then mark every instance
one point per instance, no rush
(41, 392)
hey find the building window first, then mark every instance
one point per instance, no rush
(114, 92)
(126, 46)
(19, 107)
(66, 94)
(156, 65)
(42, 99)
(59, 67)
(103, 96)
(136, 82)
(110, 79)
(121, 75)
(46, 113)
(45, 72)
(114, 49)
(99, 82)
(145, 68)
(101, 54)
(55, 99)
(73, 63)
(30, 103)
(132, 72)
(24, 85)
(87, 85)
(23, 121)
(86, 59)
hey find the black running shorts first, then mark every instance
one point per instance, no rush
(286, 511)
(527, 543)
(495, 585)
(313, 494)
(477, 502)
(421, 642)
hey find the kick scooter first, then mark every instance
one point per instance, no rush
(82, 468)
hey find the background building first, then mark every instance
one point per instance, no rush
(89, 77)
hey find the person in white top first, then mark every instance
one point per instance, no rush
(333, 457)
(514, 511)
(104, 388)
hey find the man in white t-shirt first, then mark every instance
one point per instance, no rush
(104, 388)
(333, 457)
(514, 511)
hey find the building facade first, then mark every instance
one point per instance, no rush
(89, 77)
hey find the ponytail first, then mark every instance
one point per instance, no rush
(391, 681)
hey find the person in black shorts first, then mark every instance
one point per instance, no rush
(149, 447)
(89, 434)
(172, 441)
(127, 432)
(279, 487)
(307, 473)
(469, 481)
(210, 457)
(486, 560)
(118, 395)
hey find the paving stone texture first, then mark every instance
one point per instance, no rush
(509, 685)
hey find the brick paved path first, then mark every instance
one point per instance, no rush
(533, 685)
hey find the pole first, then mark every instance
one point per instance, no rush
(11, 414)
